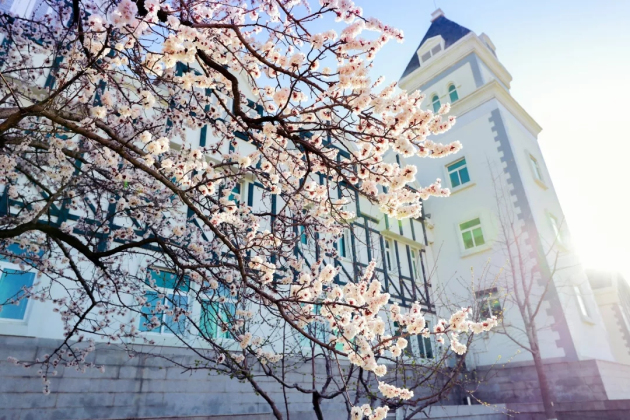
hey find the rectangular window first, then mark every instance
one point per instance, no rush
(580, 301)
(217, 315)
(426, 56)
(415, 263)
(343, 245)
(458, 173)
(472, 235)
(238, 193)
(12, 285)
(555, 226)
(168, 296)
(303, 235)
(535, 168)
(489, 304)
(425, 345)
(388, 255)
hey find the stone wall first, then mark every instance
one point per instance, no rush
(139, 387)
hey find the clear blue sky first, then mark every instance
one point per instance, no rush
(570, 61)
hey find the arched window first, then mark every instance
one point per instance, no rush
(436, 103)
(452, 93)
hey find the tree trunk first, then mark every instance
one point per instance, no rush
(550, 410)
(317, 405)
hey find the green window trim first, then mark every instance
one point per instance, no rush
(472, 233)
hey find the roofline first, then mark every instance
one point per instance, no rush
(460, 49)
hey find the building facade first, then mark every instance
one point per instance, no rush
(426, 260)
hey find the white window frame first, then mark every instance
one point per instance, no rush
(389, 256)
(537, 172)
(415, 262)
(485, 296)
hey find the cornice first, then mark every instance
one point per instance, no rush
(494, 90)
(465, 46)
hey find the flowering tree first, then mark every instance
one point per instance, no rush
(100, 99)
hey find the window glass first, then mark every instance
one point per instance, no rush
(472, 233)
(535, 168)
(171, 296)
(580, 301)
(435, 100)
(388, 254)
(12, 283)
(458, 173)
(489, 304)
(452, 93)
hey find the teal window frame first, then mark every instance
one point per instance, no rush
(452, 93)
(458, 174)
(213, 312)
(435, 100)
(472, 233)
(175, 291)
(12, 285)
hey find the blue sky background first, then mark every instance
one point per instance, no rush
(570, 61)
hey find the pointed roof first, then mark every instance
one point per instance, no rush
(449, 30)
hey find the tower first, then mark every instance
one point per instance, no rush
(499, 173)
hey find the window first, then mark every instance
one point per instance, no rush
(458, 173)
(472, 235)
(555, 226)
(303, 235)
(216, 314)
(343, 245)
(535, 168)
(452, 93)
(489, 304)
(435, 100)
(424, 345)
(238, 193)
(168, 296)
(580, 301)
(389, 259)
(431, 53)
(12, 285)
(317, 329)
(415, 263)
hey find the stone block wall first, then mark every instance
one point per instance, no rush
(139, 387)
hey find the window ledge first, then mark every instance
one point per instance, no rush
(402, 239)
(462, 187)
(541, 184)
(475, 250)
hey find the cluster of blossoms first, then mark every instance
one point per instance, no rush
(146, 130)
(359, 413)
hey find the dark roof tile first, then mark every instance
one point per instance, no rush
(449, 30)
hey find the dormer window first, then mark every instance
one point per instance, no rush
(430, 48)
(435, 100)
